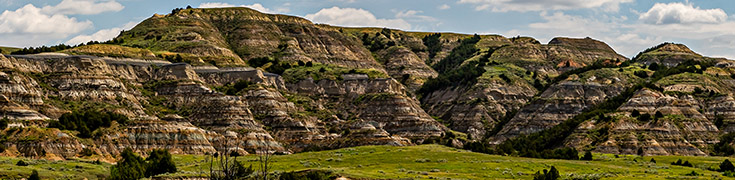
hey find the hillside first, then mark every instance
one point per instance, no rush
(200, 81)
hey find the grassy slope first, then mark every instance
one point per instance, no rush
(419, 162)
(403, 162)
(8, 50)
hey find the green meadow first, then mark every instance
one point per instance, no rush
(413, 162)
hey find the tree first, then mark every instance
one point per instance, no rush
(551, 174)
(159, 162)
(644, 117)
(224, 166)
(726, 166)
(653, 161)
(587, 156)
(659, 115)
(4, 123)
(653, 67)
(264, 157)
(130, 166)
(21, 163)
(34, 176)
(635, 113)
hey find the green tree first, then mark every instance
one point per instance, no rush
(130, 166)
(726, 166)
(635, 113)
(4, 123)
(34, 176)
(587, 156)
(159, 162)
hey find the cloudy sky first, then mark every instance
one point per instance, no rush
(629, 26)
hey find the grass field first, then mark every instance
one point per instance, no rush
(418, 162)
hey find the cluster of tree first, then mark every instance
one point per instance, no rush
(177, 10)
(690, 66)
(551, 174)
(375, 42)
(36, 50)
(459, 54)
(275, 65)
(171, 58)
(724, 147)
(563, 76)
(433, 44)
(87, 121)
(641, 74)
(234, 88)
(646, 117)
(132, 166)
(467, 74)
(651, 49)
(679, 163)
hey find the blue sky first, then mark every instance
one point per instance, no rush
(629, 26)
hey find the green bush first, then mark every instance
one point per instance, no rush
(21, 163)
(587, 156)
(131, 166)
(87, 121)
(234, 88)
(433, 44)
(723, 148)
(551, 174)
(726, 166)
(34, 176)
(4, 123)
(159, 162)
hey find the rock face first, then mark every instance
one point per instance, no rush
(39, 88)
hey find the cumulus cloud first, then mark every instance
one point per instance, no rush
(86, 7)
(101, 35)
(256, 6)
(443, 7)
(355, 17)
(31, 20)
(680, 13)
(543, 5)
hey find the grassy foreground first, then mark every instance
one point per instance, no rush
(415, 162)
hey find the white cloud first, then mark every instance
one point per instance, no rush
(101, 35)
(256, 6)
(543, 5)
(31, 20)
(443, 7)
(680, 13)
(86, 7)
(355, 17)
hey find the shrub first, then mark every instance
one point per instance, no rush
(131, 166)
(233, 89)
(21, 163)
(641, 74)
(159, 162)
(587, 156)
(723, 148)
(4, 123)
(644, 117)
(552, 174)
(635, 113)
(653, 161)
(726, 166)
(34, 176)
(687, 164)
(693, 173)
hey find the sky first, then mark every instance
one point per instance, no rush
(629, 26)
